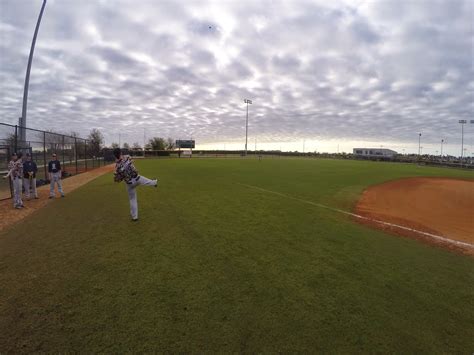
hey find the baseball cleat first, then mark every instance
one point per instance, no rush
(134, 219)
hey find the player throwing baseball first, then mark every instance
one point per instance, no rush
(126, 171)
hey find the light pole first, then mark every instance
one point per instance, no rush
(248, 102)
(442, 141)
(462, 122)
(419, 145)
(27, 78)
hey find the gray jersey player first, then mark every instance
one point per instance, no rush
(126, 171)
(15, 173)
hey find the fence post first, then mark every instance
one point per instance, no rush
(63, 167)
(85, 154)
(44, 156)
(16, 139)
(75, 152)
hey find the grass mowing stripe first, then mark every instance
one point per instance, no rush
(434, 236)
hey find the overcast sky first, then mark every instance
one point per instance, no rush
(327, 73)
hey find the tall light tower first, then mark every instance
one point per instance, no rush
(27, 78)
(419, 145)
(442, 141)
(462, 122)
(248, 102)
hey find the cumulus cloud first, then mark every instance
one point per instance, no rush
(376, 71)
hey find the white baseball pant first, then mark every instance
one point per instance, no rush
(17, 187)
(56, 178)
(26, 184)
(132, 192)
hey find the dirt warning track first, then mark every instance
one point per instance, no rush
(439, 206)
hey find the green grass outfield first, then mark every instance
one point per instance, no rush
(213, 265)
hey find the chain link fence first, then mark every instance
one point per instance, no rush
(76, 154)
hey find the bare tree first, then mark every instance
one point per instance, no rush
(170, 144)
(95, 142)
(9, 140)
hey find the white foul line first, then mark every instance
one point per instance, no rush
(434, 236)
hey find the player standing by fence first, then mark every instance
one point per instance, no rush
(126, 171)
(15, 172)
(29, 177)
(54, 170)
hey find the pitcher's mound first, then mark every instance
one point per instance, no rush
(439, 206)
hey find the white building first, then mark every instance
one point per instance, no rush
(374, 152)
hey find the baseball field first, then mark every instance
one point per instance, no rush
(233, 255)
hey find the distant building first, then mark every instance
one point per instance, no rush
(374, 152)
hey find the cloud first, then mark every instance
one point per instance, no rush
(379, 71)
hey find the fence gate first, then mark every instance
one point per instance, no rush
(5, 184)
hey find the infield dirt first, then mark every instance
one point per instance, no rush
(440, 206)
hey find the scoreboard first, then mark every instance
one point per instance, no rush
(185, 143)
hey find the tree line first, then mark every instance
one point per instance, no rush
(155, 143)
(96, 140)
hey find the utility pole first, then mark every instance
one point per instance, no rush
(248, 102)
(419, 146)
(462, 122)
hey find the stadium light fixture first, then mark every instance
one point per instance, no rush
(248, 102)
(27, 78)
(442, 141)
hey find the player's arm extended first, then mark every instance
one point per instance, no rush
(8, 174)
